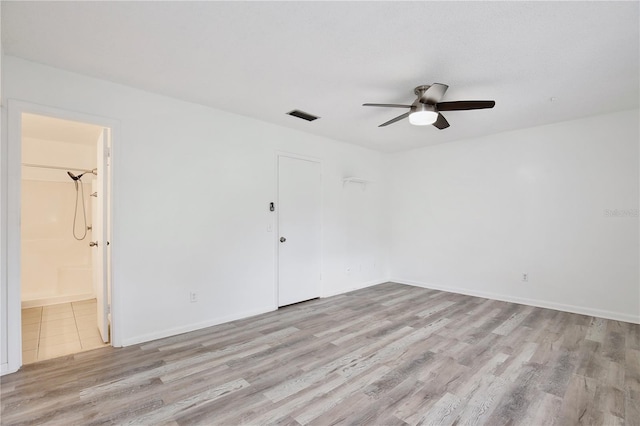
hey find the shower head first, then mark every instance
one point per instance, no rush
(74, 177)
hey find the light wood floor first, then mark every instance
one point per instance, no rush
(386, 355)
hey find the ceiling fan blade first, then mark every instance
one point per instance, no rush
(393, 120)
(388, 105)
(434, 93)
(441, 122)
(464, 105)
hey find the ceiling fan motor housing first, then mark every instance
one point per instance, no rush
(420, 90)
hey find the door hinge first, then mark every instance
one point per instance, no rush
(108, 309)
(107, 152)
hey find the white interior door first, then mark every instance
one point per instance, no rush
(299, 228)
(100, 236)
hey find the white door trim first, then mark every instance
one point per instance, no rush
(276, 228)
(11, 210)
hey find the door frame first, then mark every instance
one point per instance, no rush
(276, 235)
(12, 212)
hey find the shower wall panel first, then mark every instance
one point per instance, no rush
(55, 266)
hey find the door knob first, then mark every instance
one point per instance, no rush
(93, 244)
(283, 239)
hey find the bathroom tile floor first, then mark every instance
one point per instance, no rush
(57, 330)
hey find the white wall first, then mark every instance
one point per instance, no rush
(473, 215)
(56, 267)
(3, 221)
(192, 187)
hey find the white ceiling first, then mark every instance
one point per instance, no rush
(263, 59)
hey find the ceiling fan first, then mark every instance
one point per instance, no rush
(426, 108)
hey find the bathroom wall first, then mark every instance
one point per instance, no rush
(55, 266)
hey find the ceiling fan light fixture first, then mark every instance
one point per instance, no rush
(423, 118)
(423, 115)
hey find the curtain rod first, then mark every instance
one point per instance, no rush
(75, 169)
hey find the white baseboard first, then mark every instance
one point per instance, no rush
(4, 369)
(197, 326)
(45, 301)
(617, 316)
(356, 287)
(192, 327)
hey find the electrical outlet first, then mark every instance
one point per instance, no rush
(525, 277)
(193, 297)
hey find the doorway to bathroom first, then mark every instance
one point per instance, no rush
(64, 237)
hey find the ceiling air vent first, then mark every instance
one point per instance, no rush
(302, 114)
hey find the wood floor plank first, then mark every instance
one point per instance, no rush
(577, 403)
(516, 400)
(323, 408)
(544, 410)
(300, 402)
(440, 413)
(479, 404)
(390, 354)
(167, 412)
